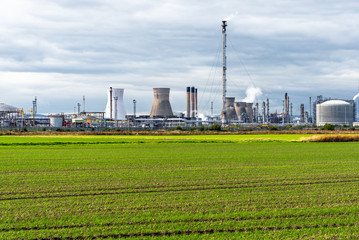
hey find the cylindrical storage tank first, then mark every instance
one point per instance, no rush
(336, 112)
(56, 121)
(6, 123)
(230, 110)
(161, 106)
(115, 105)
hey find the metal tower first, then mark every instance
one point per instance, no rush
(224, 46)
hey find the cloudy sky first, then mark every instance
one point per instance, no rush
(61, 50)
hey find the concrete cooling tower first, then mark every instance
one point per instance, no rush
(240, 108)
(161, 106)
(115, 108)
(249, 110)
(231, 114)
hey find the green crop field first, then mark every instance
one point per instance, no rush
(178, 187)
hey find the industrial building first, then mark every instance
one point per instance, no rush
(337, 112)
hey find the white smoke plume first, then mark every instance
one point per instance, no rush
(252, 93)
(230, 17)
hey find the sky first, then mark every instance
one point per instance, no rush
(62, 50)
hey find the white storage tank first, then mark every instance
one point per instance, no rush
(336, 112)
(56, 121)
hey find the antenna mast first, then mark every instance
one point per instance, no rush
(224, 35)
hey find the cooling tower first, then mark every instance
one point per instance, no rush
(115, 108)
(240, 108)
(249, 111)
(230, 110)
(161, 106)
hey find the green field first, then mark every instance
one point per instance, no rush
(178, 187)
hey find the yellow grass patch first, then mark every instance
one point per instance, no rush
(332, 138)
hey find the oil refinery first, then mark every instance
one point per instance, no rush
(321, 111)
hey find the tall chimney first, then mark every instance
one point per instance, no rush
(196, 102)
(289, 117)
(268, 114)
(111, 102)
(263, 112)
(192, 102)
(83, 104)
(286, 104)
(310, 109)
(188, 102)
(302, 113)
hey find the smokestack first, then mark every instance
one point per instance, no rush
(310, 109)
(110, 103)
(196, 102)
(83, 104)
(34, 107)
(289, 115)
(302, 113)
(263, 112)
(192, 102)
(78, 108)
(268, 114)
(257, 111)
(161, 106)
(188, 102)
(286, 107)
(211, 109)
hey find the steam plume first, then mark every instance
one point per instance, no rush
(252, 93)
(230, 17)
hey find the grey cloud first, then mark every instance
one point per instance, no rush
(82, 47)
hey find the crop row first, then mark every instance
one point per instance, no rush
(178, 190)
(183, 228)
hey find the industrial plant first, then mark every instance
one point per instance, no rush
(321, 111)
